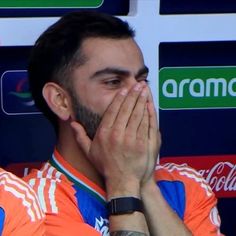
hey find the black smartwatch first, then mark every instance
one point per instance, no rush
(124, 205)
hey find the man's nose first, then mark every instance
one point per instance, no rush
(133, 81)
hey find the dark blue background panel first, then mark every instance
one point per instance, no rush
(227, 209)
(197, 6)
(25, 134)
(197, 131)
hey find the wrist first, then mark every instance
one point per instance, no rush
(126, 188)
(149, 187)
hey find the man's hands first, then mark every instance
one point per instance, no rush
(154, 141)
(124, 149)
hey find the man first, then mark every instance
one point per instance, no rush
(20, 212)
(88, 76)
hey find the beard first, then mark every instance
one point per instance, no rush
(85, 116)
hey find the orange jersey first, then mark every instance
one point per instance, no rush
(74, 205)
(20, 211)
(190, 196)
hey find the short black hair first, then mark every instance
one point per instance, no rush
(57, 50)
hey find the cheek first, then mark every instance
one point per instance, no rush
(98, 103)
(101, 104)
(95, 97)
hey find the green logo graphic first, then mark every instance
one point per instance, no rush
(50, 3)
(197, 87)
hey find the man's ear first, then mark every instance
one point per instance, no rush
(58, 100)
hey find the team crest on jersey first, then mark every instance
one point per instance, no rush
(102, 226)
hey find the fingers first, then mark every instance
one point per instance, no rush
(119, 111)
(143, 129)
(153, 126)
(81, 137)
(131, 110)
(136, 116)
(153, 133)
(112, 111)
(152, 117)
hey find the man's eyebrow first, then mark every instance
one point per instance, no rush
(142, 71)
(118, 71)
(110, 70)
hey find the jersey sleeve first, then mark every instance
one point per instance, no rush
(61, 225)
(57, 199)
(201, 214)
(20, 212)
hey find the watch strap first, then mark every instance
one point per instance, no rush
(124, 205)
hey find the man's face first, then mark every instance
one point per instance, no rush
(111, 65)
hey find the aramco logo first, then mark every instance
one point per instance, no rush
(197, 87)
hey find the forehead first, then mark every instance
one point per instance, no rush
(118, 52)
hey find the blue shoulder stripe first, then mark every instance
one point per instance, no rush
(174, 194)
(2, 219)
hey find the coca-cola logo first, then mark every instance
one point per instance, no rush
(221, 177)
(219, 171)
(23, 169)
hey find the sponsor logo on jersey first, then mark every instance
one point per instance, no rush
(102, 226)
(214, 217)
(197, 87)
(16, 98)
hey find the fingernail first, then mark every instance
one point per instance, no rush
(124, 92)
(144, 92)
(137, 87)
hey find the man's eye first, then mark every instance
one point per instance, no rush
(144, 78)
(146, 81)
(113, 82)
